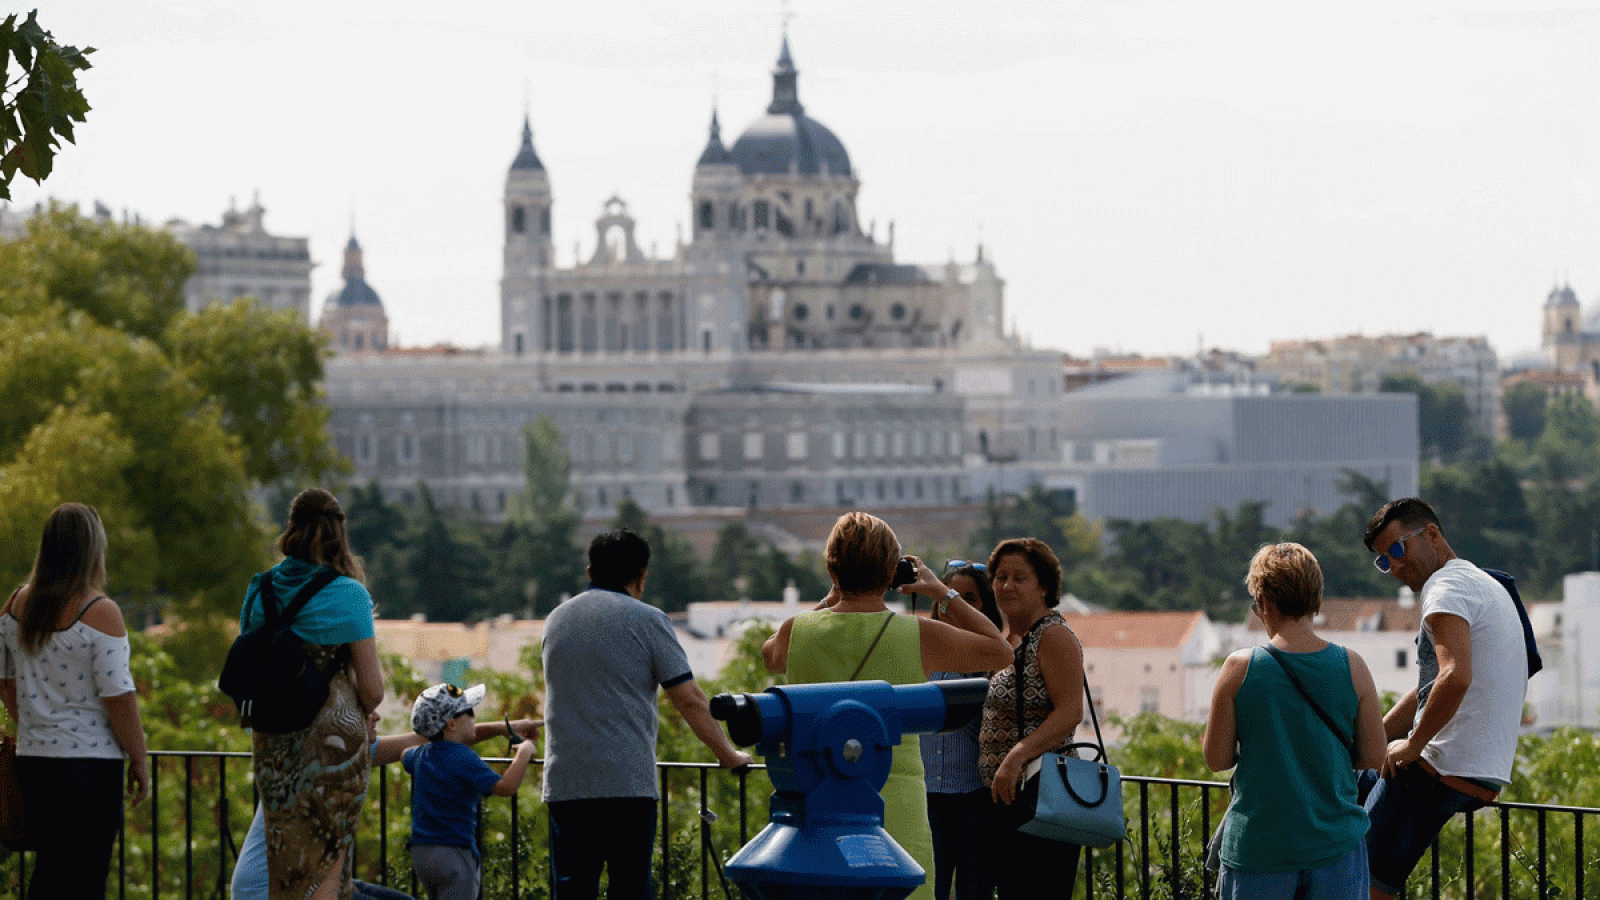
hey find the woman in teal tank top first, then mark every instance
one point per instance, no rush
(853, 636)
(1293, 828)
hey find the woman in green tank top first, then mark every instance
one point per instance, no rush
(853, 636)
(1296, 717)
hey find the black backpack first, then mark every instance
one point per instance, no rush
(271, 676)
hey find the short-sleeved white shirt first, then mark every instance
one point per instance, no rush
(1480, 740)
(59, 690)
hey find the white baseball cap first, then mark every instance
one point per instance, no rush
(437, 705)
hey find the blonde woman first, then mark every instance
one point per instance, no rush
(1296, 716)
(65, 681)
(313, 782)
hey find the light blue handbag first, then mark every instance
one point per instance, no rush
(1078, 801)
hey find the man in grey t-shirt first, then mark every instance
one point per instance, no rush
(605, 654)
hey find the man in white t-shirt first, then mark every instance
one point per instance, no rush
(1453, 739)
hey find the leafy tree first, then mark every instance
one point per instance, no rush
(1524, 406)
(1485, 513)
(40, 102)
(545, 508)
(443, 566)
(734, 563)
(119, 397)
(676, 579)
(1444, 418)
(264, 370)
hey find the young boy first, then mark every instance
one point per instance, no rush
(448, 780)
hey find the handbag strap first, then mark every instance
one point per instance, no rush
(1327, 720)
(1019, 670)
(863, 664)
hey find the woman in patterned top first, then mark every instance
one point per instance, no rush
(65, 681)
(1048, 671)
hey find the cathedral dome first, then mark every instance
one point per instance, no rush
(356, 292)
(780, 144)
(786, 140)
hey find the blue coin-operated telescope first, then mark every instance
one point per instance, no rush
(828, 748)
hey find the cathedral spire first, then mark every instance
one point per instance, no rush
(354, 269)
(785, 91)
(526, 157)
(716, 153)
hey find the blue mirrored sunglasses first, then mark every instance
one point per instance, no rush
(963, 563)
(1396, 550)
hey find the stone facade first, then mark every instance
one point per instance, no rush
(780, 365)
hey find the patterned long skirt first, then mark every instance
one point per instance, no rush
(313, 784)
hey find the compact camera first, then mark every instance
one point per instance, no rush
(904, 573)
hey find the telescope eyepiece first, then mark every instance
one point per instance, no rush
(742, 716)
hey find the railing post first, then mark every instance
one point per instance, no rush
(666, 836)
(224, 827)
(1205, 839)
(1144, 840)
(188, 826)
(516, 849)
(1505, 852)
(1544, 881)
(383, 825)
(155, 832)
(1577, 853)
(705, 839)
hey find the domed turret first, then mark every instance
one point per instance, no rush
(1560, 315)
(786, 140)
(356, 291)
(353, 315)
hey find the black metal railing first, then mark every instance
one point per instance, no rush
(182, 843)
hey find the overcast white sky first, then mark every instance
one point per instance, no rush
(1146, 175)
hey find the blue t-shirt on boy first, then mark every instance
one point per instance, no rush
(448, 781)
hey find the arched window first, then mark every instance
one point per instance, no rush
(761, 212)
(519, 221)
(708, 215)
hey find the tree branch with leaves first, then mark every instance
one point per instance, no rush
(39, 98)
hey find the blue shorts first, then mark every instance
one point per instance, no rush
(1342, 880)
(1405, 811)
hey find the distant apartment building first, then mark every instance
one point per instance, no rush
(1357, 364)
(1155, 662)
(1567, 691)
(1382, 631)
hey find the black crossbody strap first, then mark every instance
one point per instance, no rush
(1327, 720)
(874, 646)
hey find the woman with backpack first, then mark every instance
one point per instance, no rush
(313, 782)
(65, 682)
